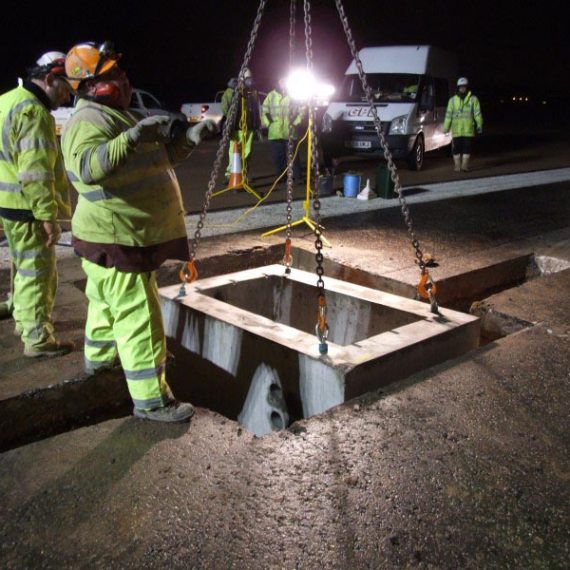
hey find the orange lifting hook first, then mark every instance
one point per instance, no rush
(188, 273)
(426, 286)
(288, 258)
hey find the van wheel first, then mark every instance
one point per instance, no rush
(416, 156)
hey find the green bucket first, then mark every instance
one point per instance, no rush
(384, 183)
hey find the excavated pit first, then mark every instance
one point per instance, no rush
(245, 345)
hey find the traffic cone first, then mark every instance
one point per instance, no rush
(236, 173)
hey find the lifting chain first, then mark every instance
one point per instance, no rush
(288, 258)
(223, 146)
(387, 154)
(322, 328)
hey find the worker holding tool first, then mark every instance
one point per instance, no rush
(129, 219)
(33, 192)
(275, 117)
(247, 120)
(463, 117)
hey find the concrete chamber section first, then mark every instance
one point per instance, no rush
(245, 343)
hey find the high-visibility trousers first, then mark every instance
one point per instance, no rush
(34, 282)
(124, 319)
(245, 143)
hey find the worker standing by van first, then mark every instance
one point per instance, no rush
(275, 117)
(33, 191)
(129, 219)
(463, 117)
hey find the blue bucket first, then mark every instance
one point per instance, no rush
(351, 185)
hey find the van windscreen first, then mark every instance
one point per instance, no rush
(386, 87)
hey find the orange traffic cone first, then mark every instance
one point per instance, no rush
(236, 173)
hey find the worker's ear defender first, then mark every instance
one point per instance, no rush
(107, 93)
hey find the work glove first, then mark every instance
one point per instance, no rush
(195, 134)
(150, 129)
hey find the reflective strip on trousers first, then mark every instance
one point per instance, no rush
(144, 374)
(35, 281)
(100, 343)
(125, 306)
(150, 404)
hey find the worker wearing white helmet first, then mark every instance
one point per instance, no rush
(33, 195)
(463, 117)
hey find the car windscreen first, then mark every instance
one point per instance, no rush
(386, 87)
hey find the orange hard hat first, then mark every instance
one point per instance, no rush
(87, 60)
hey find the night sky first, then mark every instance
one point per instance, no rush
(185, 51)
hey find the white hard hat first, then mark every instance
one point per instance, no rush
(50, 57)
(462, 81)
(49, 62)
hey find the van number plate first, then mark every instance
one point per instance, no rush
(358, 144)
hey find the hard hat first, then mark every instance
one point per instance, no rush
(86, 60)
(462, 81)
(49, 62)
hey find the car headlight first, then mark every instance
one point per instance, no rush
(399, 125)
(327, 123)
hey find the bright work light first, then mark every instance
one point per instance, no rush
(302, 85)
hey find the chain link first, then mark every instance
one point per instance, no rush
(314, 166)
(290, 142)
(378, 126)
(222, 148)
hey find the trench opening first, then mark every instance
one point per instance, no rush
(292, 303)
(463, 292)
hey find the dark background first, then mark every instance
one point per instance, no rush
(186, 51)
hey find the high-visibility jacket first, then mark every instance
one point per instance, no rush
(463, 116)
(127, 196)
(226, 101)
(32, 176)
(253, 121)
(275, 116)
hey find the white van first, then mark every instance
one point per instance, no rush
(411, 86)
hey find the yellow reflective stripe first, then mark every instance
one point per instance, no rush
(32, 143)
(150, 404)
(7, 187)
(5, 152)
(29, 254)
(121, 191)
(145, 374)
(35, 176)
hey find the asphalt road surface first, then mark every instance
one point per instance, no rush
(504, 149)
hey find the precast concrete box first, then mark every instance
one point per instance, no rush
(245, 343)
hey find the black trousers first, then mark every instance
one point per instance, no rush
(462, 145)
(279, 154)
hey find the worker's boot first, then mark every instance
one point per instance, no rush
(457, 162)
(50, 350)
(465, 162)
(173, 412)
